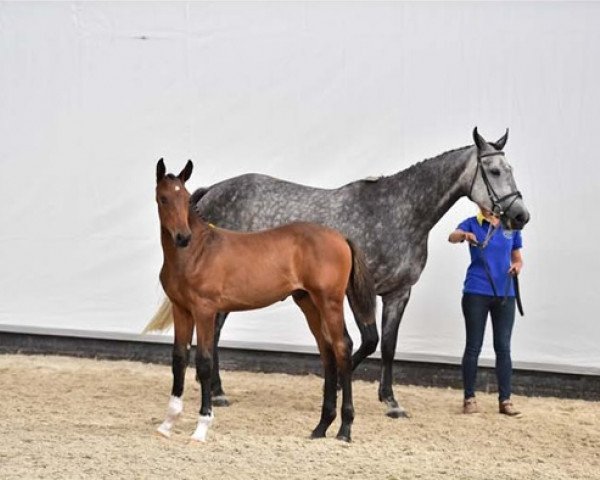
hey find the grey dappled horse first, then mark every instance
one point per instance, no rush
(389, 218)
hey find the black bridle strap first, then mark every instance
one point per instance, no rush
(496, 205)
(494, 198)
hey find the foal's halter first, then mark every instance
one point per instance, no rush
(497, 209)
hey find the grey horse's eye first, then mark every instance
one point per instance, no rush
(495, 172)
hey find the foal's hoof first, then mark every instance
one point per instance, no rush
(163, 432)
(220, 401)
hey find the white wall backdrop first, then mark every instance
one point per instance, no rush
(92, 94)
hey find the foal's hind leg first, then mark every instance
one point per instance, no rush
(184, 328)
(328, 411)
(342, 351)
(332, 316)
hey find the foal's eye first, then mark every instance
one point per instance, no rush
(163, 200)
(495, 172)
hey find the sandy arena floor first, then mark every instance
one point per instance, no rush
(78, 418)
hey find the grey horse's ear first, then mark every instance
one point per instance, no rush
(160, 170)
(499, 144)
(186, 173)
(478, 139)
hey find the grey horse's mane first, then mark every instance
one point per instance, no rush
(409, 170)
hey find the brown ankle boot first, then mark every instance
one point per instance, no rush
(470, 405)
(506, 408)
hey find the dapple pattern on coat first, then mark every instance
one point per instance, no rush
(389, 218)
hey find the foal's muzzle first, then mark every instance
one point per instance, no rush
(182, 240)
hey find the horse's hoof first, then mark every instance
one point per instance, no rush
(396, 412)
(344, 438)
(163, 432)
(317, 434)
(220, 401)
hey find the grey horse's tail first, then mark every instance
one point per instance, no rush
(361, 287)
(361, 297)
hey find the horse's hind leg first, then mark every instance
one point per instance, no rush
(369, 339)
(219, 398)
(331, 311)
(328, 410)
(341, 345)
(184, 328)
(342, 351)
(393, 309)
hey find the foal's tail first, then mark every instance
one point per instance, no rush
(162, 319)
(361, 287)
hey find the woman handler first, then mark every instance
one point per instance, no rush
(488, 288)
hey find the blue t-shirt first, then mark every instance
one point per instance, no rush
(498, 256)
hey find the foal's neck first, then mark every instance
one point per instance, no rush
(179, 257)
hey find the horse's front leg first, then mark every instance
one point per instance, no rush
(219, 398)
(184, 328)
(205, 329)
(393, 309)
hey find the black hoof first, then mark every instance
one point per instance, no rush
(344, 438)
(317, 433)
(220, 401)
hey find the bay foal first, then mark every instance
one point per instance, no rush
(208, 270)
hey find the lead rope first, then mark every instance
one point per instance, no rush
(481, 246)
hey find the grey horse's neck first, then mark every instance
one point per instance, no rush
(431, 187)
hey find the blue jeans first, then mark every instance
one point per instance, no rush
(475, 310)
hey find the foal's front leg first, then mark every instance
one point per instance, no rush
(205, 330)
(183, 337)
(218, 395)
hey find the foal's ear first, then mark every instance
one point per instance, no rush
(499, 144)
(160, 170)
(186, 173)
(479, 140)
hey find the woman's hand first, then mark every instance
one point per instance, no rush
(458, 236)
(516, 263)
(471, 238)
(515, 268)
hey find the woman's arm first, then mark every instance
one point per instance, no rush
(516, 262)
(459, 236)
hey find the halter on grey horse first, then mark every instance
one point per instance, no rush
(389, 219)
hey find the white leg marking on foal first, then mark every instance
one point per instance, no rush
(204, 422)
(173, 411)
